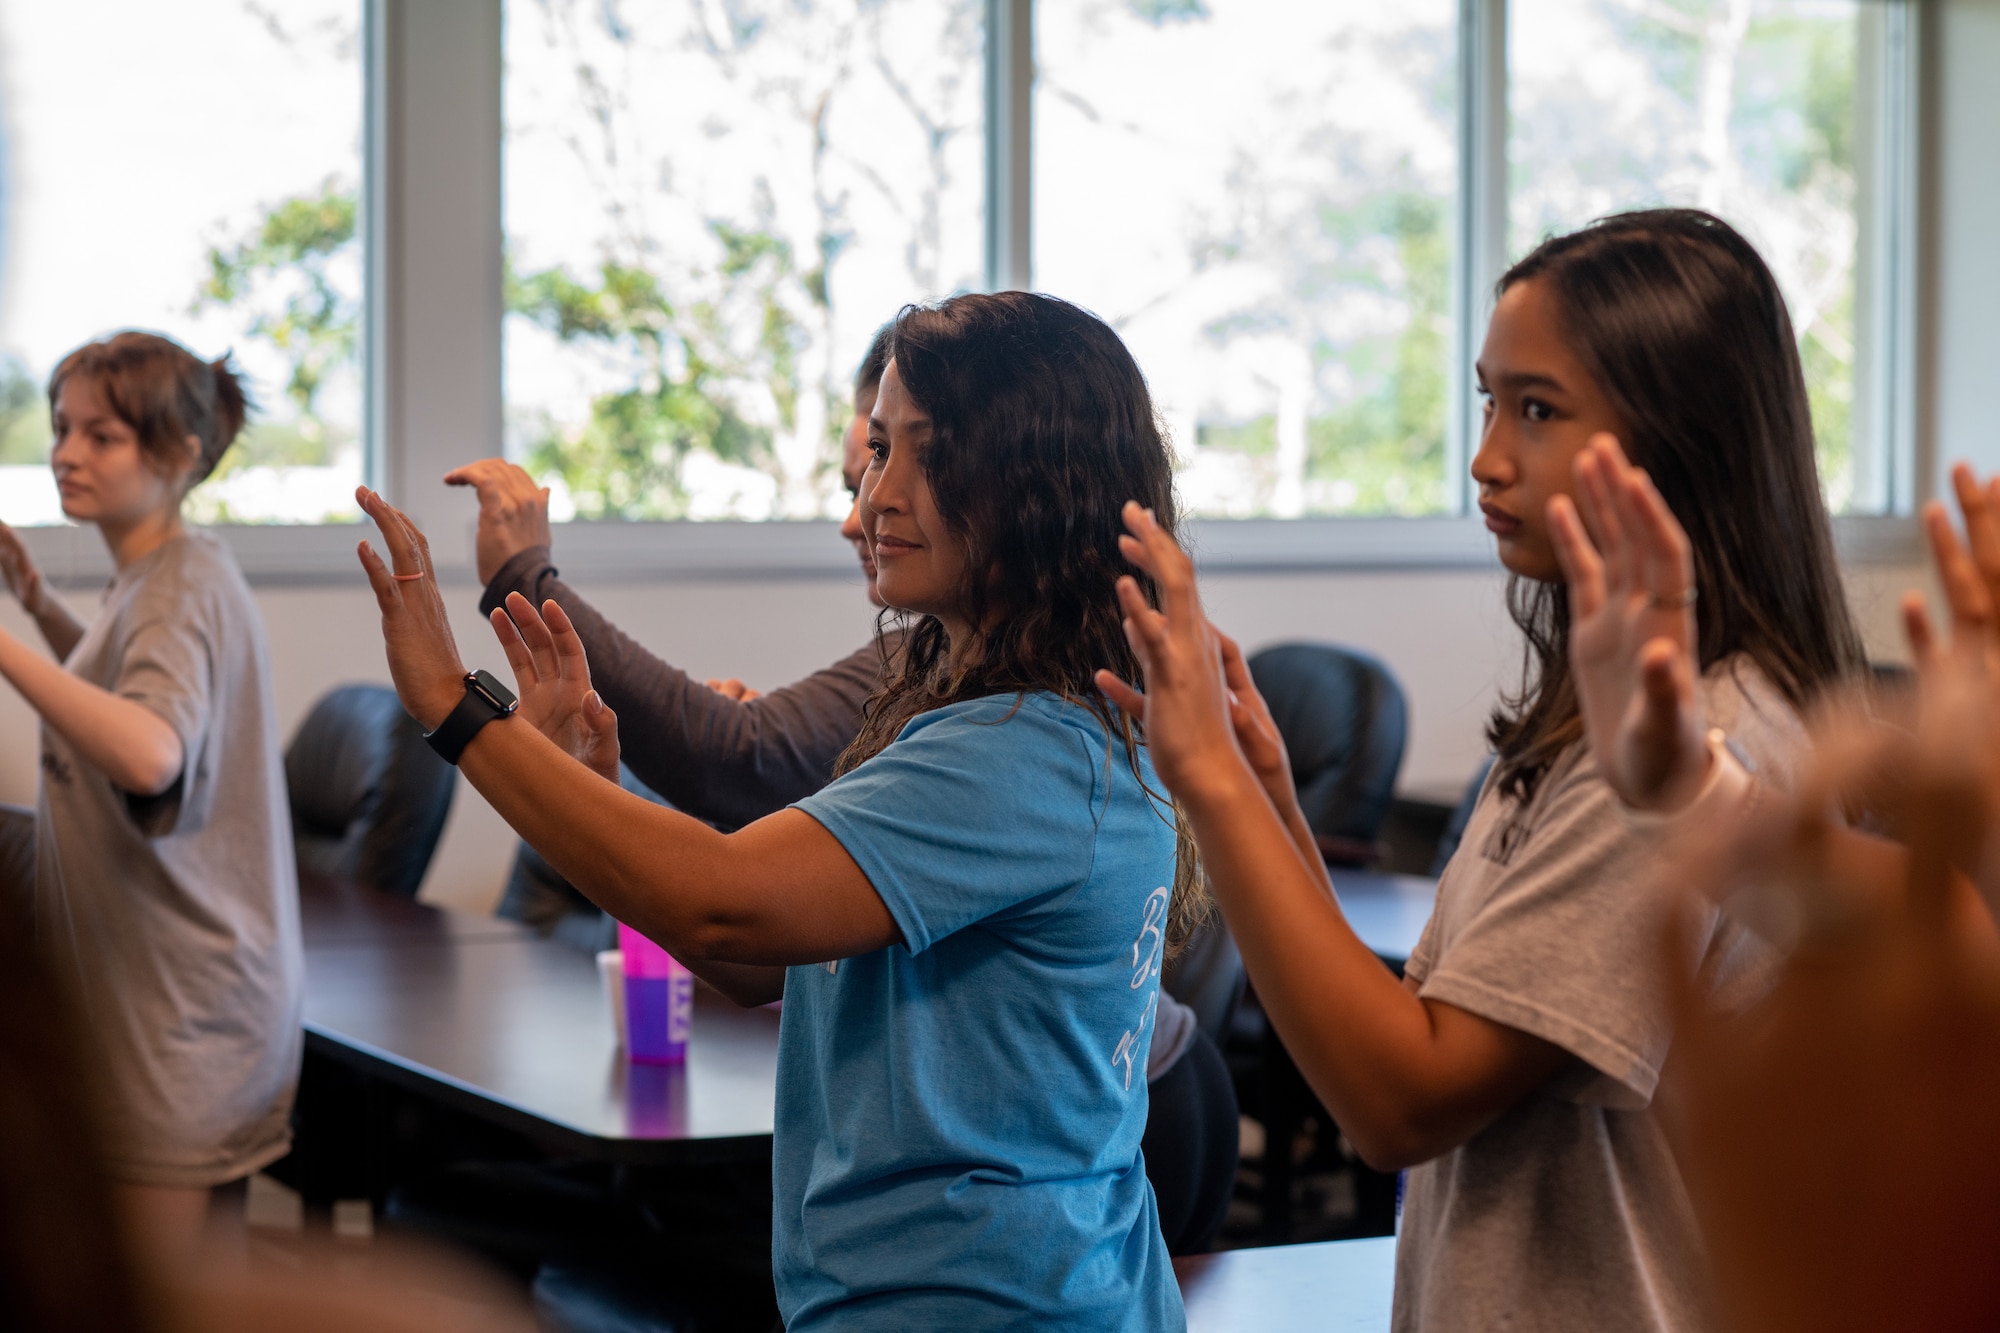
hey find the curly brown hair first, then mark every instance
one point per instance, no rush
(1042, 428)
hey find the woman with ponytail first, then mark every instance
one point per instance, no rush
(163, 891)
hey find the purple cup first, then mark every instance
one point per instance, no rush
(659, 1001)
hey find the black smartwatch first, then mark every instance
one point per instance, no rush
(485, 699)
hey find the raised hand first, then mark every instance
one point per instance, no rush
(423, 659)
(733, 688)
(513, 512)
(1185, 707)
(1632, 630)
(18, 569)
(552, 676)
(1969, 575)
(1884, 1029)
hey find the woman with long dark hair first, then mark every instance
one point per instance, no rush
(1513, 1068)
(967, 925)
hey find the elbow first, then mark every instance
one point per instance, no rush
(1391, 1143)
(152, 774)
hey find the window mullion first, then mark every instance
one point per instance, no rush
(1480, 248)
(1010, 82)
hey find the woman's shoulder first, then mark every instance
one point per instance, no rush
(194, 577)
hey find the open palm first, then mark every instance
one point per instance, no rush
(1632, 630)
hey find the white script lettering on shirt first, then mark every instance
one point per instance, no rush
(1146, 951)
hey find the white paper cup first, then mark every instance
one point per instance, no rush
(611, 971)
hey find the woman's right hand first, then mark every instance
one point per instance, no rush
(552, 676)
(18, 568)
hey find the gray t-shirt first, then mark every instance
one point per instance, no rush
(1568, 1211)
(174, 920)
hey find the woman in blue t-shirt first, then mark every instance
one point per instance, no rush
(967, 925)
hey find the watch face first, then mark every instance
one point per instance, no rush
(498, 695)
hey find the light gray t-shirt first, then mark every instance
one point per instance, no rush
(174, 920)
(1568, 1211)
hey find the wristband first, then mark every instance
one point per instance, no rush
(485, 700)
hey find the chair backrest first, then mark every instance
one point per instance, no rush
(1344, 721)
(369, 797)
(537, 895)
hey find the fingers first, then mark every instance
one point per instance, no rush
(409, 552)
(1153, 550)
(1667, 686)
(572, 662)
(1964, 592)
(1145, 627)
(1581, 567)
(518, 656)
(1667, 555)
(1917, 629)
(1597, 473)
(489, 474)
(536, 634)
(1130, 702)
(1981, 507)
(387, 594)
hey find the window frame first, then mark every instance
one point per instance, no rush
(433, 389)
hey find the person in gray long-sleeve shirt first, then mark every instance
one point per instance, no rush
(729, 755)
(721, 759)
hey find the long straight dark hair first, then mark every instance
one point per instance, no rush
(1678, 318)
(1041, 429)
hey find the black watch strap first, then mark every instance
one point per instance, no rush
(485, 699)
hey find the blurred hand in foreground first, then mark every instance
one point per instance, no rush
(1837, 1137)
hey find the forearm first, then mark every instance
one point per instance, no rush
(60, 630)
(1368, 1047)
(694, 890)
(128, 742)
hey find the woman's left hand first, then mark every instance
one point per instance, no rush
(1185, 707)
(423, 659)
(1632, 630)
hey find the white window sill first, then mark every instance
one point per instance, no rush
(669, 552)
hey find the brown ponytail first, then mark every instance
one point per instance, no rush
(165, 393)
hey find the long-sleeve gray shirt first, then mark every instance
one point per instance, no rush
(726, 762)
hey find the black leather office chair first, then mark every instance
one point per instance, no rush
(369, 798)
(1345, 723)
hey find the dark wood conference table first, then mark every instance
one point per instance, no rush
(1335, 1286)
(485, 1016)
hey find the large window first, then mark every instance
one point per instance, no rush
(709, 210)
(1276, 202)
(1258, 195)
(190, 168)
(1757, 110)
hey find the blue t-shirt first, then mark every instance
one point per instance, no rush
(959, 1117)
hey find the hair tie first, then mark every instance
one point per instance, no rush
(407, 578)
